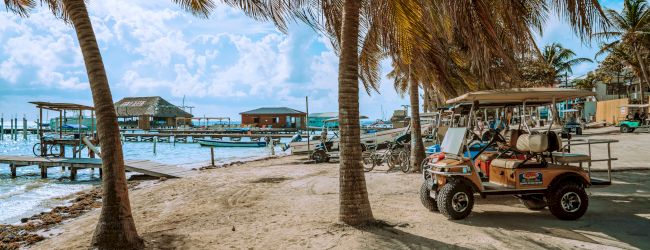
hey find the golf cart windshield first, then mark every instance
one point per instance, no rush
(454, 140)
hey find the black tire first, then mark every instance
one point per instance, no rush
(455, 200)
(405, 161)
(425, 198)
(373, 163)
(319, 156)
(568, 201)
(37, 149)
(533, 202)
(578, 131)
(625, 129)
(423, 165)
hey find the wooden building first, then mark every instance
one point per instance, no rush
(280, 117)
(148, 112)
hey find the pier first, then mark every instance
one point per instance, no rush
(74, 164)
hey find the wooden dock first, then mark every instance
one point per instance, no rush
(141, 166)
(184, 138)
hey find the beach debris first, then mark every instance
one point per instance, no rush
(233, 228)
(162, 179)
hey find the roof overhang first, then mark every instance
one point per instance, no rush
(61, 106)
(520, 95)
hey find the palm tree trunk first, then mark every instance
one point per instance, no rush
(643, 71)
(116, 228)
(417, 147)
(353, 197)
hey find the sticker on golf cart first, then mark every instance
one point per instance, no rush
(530, 178)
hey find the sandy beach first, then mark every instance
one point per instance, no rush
(284, 204)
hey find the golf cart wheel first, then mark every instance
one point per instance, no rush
(319, 156)
(425, 198)
(625, 129)
(405, 162)
(568, 201)
(533, 202)
(455, 200)
(578, 131)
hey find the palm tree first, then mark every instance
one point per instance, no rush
(561, 60)
(116, 228)
(408, 82)
(631, 27)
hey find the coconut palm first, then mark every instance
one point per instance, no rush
(116, 228)
(631, 27)
(408, 81)
(561, 59)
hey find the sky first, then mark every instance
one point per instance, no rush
(222, 65)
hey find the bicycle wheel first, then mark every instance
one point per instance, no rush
(371, 165)
(391, 160)
(405, 162)
(37, 149)
(55, 150)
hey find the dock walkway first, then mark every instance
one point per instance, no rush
(141, 166)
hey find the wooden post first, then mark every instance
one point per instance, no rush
(155, 141)
(307, 122)
(73, 173)
(40, 126)
(24, 128)
(212, 155)
(100, 173)
(2, 127)
(43, 171)
(60, 123)
(13, 170)
(79, 130)
(11, 129)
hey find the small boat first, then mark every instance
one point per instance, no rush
(219, 143)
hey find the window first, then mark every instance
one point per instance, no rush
(256, 120)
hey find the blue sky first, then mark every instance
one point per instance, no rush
(222, 65)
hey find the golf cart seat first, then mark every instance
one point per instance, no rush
(531, 144)
(566, 158)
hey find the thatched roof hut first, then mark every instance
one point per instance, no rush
(148, 110)
(154, 106)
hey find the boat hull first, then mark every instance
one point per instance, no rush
(379, 137)
(229, 144)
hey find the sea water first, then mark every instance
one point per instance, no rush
(28, 194)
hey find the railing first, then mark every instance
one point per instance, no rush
(589, 142)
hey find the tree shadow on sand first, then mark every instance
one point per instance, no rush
(389, 236)
(610, 219)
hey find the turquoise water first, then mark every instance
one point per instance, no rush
(28, 194)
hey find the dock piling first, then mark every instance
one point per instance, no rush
(73, 173)
(212, 155)
(13, 170)
(43, 171)
(2, 127)
(24, 128)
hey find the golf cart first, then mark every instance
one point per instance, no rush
(328, 148)
(631, 122)
(531, 165)
(572, 122)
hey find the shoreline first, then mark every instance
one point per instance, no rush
(41, 226)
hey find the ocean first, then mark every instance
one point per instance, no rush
(28, 194)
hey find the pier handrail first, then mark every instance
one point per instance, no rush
(92, 147)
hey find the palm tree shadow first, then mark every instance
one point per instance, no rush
(387, 236)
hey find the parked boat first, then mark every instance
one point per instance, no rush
(219, 143)
(300, 147)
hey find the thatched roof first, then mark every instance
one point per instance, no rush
(153, 106)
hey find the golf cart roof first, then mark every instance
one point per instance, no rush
(519, 95)
(635, 106)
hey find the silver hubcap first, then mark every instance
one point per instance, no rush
(459, 202)
(570, 202)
